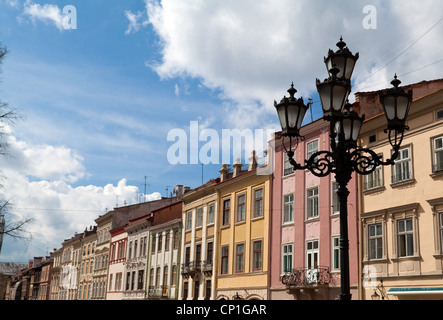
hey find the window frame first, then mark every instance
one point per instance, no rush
(285, 257)
(257, 200)
(226, 212)
(437, 167)
(256, 253)
(240, 205)
(240, 257)
(399, 162)
(315, 198)
(224, 259)
(285, 205)
(377, 238)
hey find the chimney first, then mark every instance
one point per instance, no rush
(223, 172)
(252, 161)
(187, 189)
(179, 190)
(237, 167)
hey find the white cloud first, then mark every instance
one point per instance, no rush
(46, 13)
(39, 180)
(136, 21)
(251, 50)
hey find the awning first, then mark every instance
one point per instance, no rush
(410, 291)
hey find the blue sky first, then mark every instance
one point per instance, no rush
(100, 100)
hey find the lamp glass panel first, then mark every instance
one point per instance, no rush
(350, 64)
(293, 113)
(340, 63)
(402, 107)
(301, 117)
(356, 129)
(340, 94)
(282, 116)
(389, 105)
(325, 97)
(347, 128)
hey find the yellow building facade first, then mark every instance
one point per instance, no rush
(242, 254)
(401, 206)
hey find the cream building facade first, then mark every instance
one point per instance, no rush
(197, 277)
(117, 261)
(402, 208)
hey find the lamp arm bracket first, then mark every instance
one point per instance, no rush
(365, 161)
(321, 163)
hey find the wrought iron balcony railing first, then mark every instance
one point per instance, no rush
(158, 292)
(306, 277)
(191, 268)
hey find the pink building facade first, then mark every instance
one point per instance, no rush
(305, 225)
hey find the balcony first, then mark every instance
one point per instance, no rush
(207, 267)
(302, 278)
(158, 292)
(191, 268)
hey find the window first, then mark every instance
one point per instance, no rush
(312, 254)
(441, 232)
(257, 255)
(439, 114)
(133, 280)
(402, 166)
(438, 154)
(288, 168)
(187, 255)
(241, 208)
(160, 242)
(153, 243)
(335, 253)
(140, 279)
(135, 249)
(312, 195)
(128, 280)
(189, 220)
(288, 210)
(130, 250)
(335, 199)
(208, 289)
(258, 203)
(174, 276)
(287, 257)
(175, 242)
(211, 211)
(224, 259)
(165, 276)
(167, 240)
(151, 277)
(199, 217)
(375, 238)
(157, 277)
(198, 253)
(405, 241)
(226, 212)
(311, 148)
(110, 282)
(240, 258)
(374, 179)
(209, 251)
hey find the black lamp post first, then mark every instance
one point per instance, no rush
(344, 156)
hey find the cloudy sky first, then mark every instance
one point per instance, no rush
(101, 84)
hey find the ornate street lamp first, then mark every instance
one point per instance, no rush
(344, 156)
